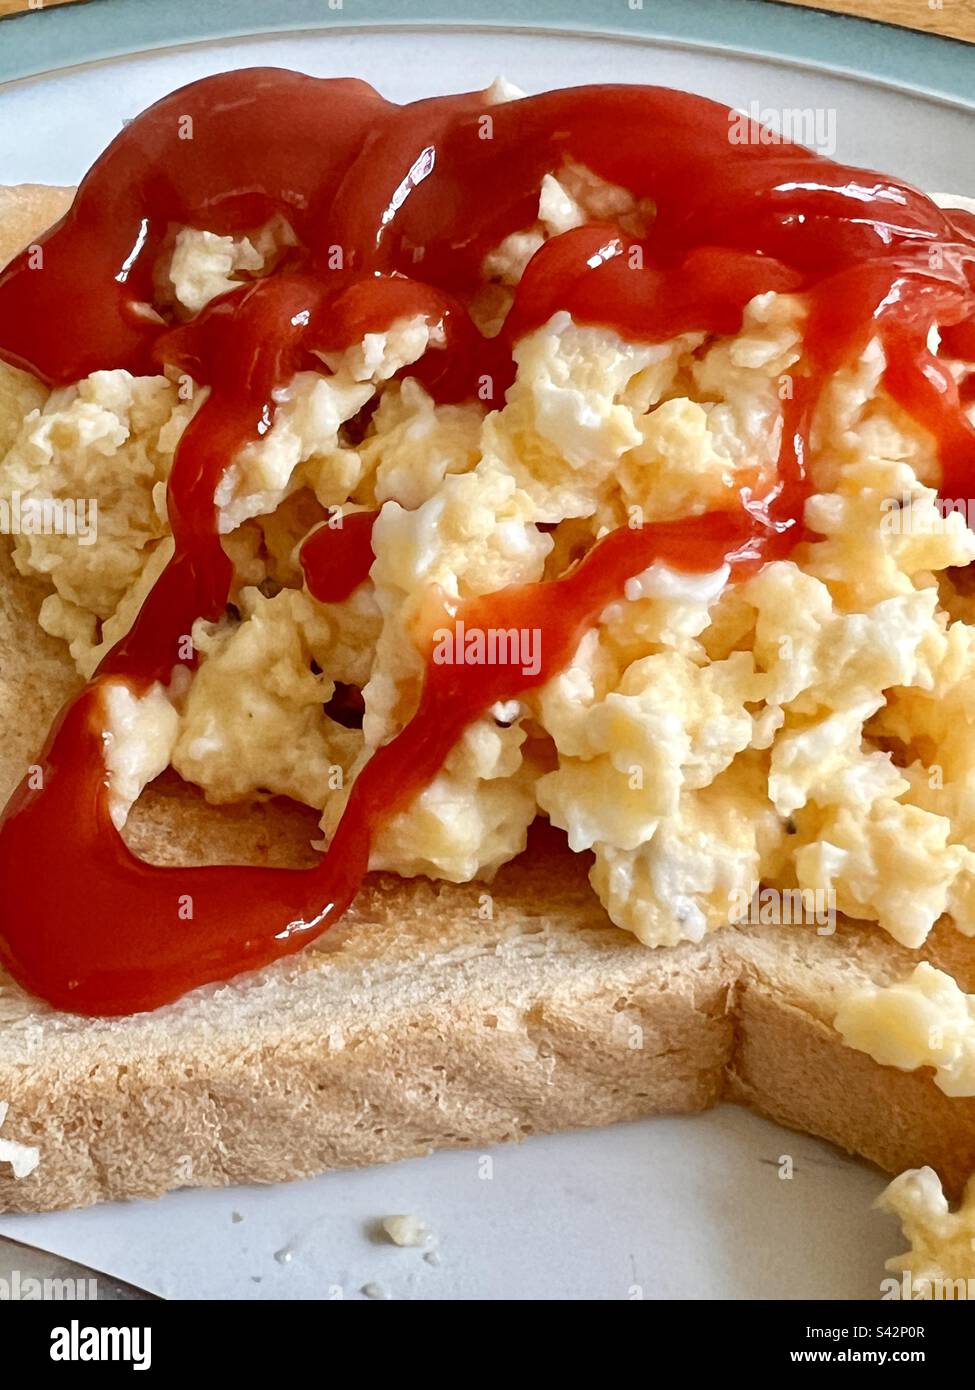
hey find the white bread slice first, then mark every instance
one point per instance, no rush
(417, 1023)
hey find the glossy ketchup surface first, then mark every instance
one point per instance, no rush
(337, 557)
(394, 209)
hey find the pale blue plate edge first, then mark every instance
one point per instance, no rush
(49, 40)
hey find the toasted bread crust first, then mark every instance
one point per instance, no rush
(419, 1022)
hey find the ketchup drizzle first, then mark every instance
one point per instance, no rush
(336, 559)
(395, 208)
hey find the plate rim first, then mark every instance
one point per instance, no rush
(39, 43)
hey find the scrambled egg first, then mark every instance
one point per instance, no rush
(923, 1021)
(253, 719)
(110, 438)
(807, 728)
(941, 1260)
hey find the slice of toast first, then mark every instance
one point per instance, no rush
(420, 1021)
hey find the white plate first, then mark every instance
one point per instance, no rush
(678, 1208)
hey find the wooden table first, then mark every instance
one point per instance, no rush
(15, 6)
(955, 18)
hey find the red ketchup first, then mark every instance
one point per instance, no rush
(395, 208)
(337, 556)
